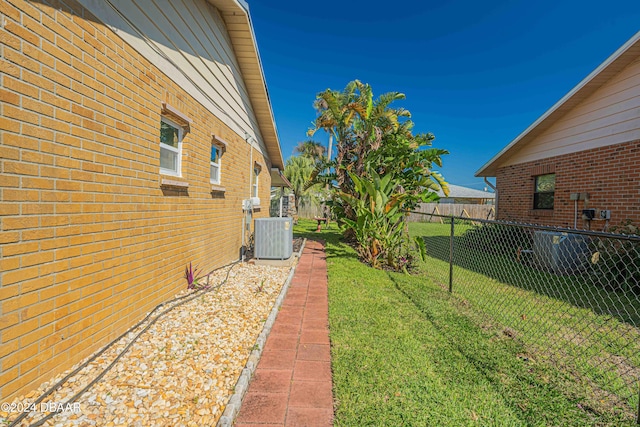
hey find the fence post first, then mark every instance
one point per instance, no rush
(638, 415)
(451, 257)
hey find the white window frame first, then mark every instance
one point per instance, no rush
(255, 180)
(178, 151)
(218, 164)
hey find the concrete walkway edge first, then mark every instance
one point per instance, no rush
(233, 405)
(292, 385)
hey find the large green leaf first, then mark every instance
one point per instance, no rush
(381, 169)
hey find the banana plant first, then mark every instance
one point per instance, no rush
(380, 169)
(379, 223)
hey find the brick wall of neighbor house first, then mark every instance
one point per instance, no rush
(89, 239)
(611, 176)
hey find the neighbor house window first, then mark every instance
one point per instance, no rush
(214, 164)
(254, 184)
(544, 191)
(170, 147)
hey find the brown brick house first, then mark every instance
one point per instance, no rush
(131, 132)
(583, 154)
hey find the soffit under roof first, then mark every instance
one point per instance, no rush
(235, 14)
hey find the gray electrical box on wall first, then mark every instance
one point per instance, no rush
(588, 214)
(579, 196)
(605, 214)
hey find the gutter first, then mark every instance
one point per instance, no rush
(495, 191)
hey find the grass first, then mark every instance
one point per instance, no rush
(406, 352)
(579, 290)
(566, 320)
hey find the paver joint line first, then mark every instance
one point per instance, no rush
(299, 350)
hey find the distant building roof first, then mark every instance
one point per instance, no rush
(458, 192)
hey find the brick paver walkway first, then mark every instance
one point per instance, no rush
(292, 383)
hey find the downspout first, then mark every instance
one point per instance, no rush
(495, 190)
(245, 211)
(250, 168)
(324, 213)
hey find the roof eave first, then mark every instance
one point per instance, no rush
(613, 64)
(278, 179)
(235, 14)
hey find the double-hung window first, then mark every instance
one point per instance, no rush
(170, 147)
(214, 164)
(544, 191)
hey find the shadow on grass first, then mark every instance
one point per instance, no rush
(580, 290)
(330, 234)
(539, 393)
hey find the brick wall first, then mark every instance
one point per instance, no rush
(89, 238)
(611, 176)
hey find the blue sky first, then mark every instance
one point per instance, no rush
(475, 74)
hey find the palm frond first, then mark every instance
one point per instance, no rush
(441, 182)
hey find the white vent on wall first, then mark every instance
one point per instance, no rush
(273, 238)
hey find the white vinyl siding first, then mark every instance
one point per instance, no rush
(189, 42)
(607, 117)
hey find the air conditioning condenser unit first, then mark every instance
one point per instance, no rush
(273, 238)
(562, 253)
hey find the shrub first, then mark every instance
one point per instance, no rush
(616, 262)
(498, 239)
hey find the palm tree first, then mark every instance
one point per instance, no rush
(298, 170)
(374, 139)
(311, 149)
(358, 123)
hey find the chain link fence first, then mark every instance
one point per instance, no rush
(571, 297)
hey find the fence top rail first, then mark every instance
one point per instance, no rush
(632, 238)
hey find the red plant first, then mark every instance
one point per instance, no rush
(191, 275)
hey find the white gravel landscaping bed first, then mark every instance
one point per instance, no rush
(182, 370)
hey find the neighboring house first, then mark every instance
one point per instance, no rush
(583, 153)
(459, 194)
(130, 134)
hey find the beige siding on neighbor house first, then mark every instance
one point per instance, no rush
(190, 34)
(609, 116)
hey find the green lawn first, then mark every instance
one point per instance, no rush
(563, 320)
(406, 352)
